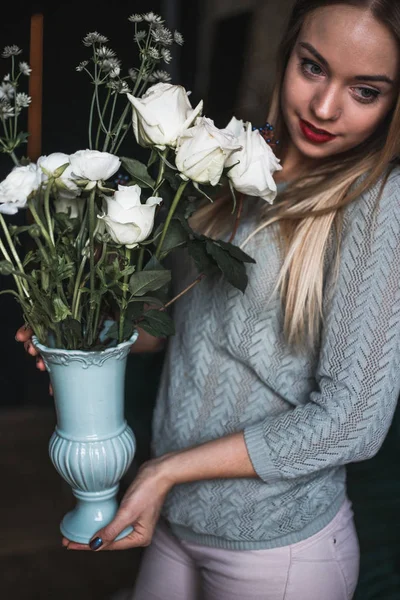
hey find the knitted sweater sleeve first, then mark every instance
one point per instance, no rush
(358, 376)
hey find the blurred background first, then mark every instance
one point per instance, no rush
(228, 61)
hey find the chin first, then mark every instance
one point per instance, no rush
(318, 151)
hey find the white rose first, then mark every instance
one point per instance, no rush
(51, 164)
(203, 150)
(57, 165)
(127, 220)
(162, 114)
(94, 165)
(18, 186)
(235, 126)
(253, 174)
(72, 205)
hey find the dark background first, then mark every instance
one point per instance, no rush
(33, 498)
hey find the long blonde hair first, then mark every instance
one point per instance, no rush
(311, 208)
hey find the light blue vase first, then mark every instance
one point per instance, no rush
(92, 445)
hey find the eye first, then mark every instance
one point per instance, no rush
(310, 68)
(366, 95)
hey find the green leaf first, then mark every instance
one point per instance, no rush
(158, 323)
(232, 269)
(204, 262)
(235, 251)
(173, 179)
(148, 299)
(134, 309)
(175, 236)
(61, 310)
(29, 256)
(153, 264)
(138, 172)
(147, 281)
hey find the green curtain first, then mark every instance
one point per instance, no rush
(374, 489)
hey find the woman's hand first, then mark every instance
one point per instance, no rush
(140, 507)
(147, 343)
(24, 334)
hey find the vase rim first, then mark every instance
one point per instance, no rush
(85, 353)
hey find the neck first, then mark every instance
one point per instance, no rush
(294, 165)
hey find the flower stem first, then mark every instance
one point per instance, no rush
(14, 252)
(115, 144)
(16, 279)
(92, 302)
(39, 222)
(91, 121)
(76, 295)
(139, 265)
(124, 303)
(14, 158)
(171, 212)
(109, 132)
(47, 210)
(161, 170)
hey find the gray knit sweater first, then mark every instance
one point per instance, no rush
(304, 415)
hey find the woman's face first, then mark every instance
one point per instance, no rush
(340, 82)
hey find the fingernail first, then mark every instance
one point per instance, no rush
(96, 543)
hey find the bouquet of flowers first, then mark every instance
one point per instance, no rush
(96, 248)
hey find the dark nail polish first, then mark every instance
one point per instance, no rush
(96, 543)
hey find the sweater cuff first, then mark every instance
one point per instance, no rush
(259, 453)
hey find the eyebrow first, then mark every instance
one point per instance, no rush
(323, 61)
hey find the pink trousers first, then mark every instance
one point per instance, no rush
(322, 567)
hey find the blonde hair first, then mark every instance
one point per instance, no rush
(311, 209)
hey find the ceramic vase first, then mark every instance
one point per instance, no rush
(92, 445)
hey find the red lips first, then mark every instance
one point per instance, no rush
(312, 134)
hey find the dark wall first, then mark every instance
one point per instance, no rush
(66, 100)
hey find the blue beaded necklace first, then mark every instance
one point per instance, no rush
(268, 133)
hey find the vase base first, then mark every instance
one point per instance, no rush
(73, 536)
(93, 511)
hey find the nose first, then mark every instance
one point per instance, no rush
(325, 104)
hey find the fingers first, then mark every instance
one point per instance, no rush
(30, 348)
(24, 334)
(133, 540)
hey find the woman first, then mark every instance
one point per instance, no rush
(266, 396)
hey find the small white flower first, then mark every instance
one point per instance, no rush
(202, 151)
(6, 110)
(160, 75)
(112, 66)
(252, 167)
(18, 186)
(25, 68)
(22, 100)
(94, 165)
(7, 77)
(11, 51)
(135, 18)
(140, 36)
(7, 91)
(178, 38)
(94, 38)
(128, 221)
(150, 17)
(104, 52)
(120, 87)
(154, 53)
(162, 114)
(133, 74)
(162, 36)
(82, 65)
(166, 55)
